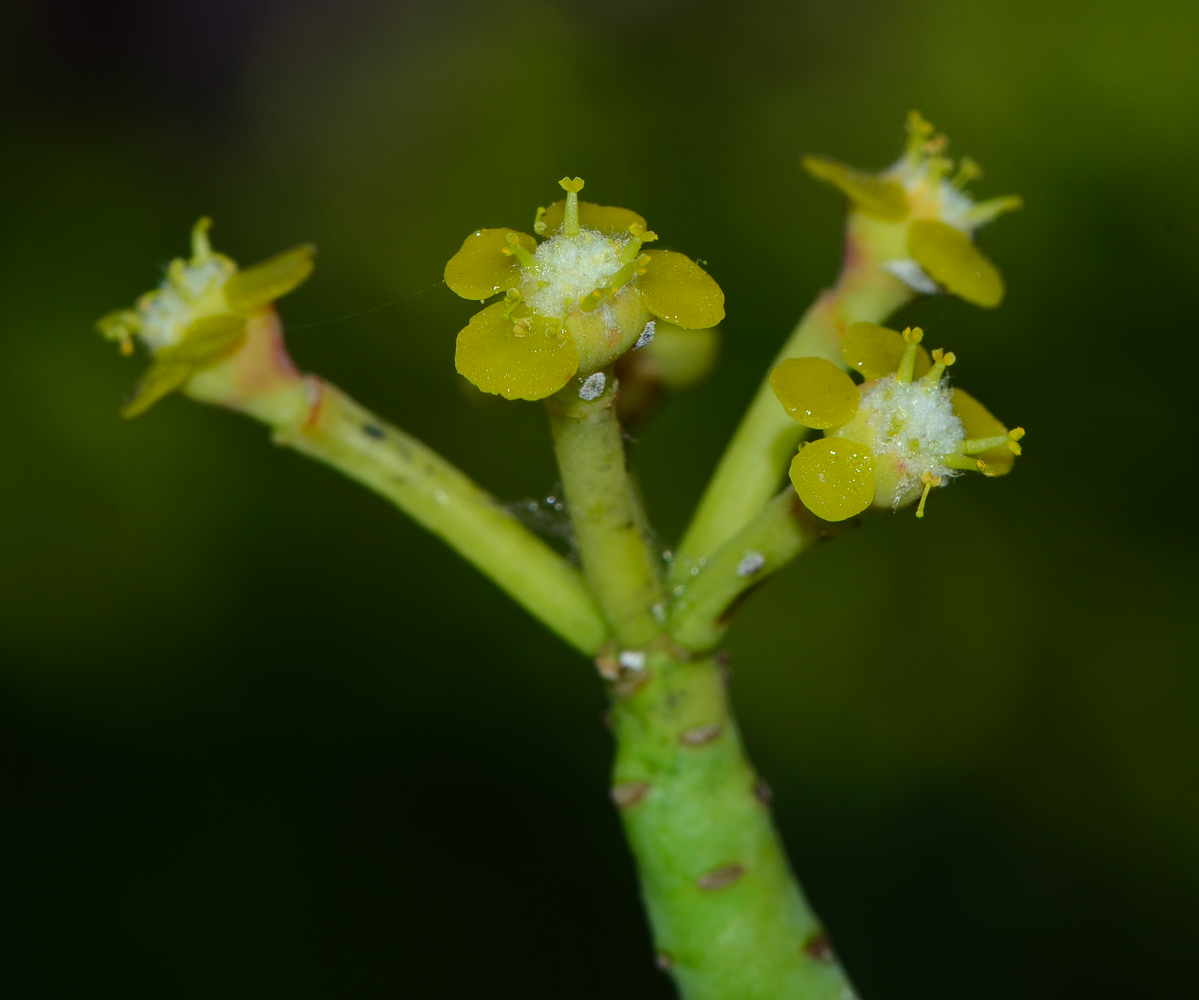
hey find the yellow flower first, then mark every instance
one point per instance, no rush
(893, 438)
(573, 302)
(199, 314)
(918, 221)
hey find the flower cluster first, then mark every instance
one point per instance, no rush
(918, 220)
(200, 315)
(895, 437)
(576, 297)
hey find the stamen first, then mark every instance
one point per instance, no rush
(938, 166)
(627, 274)
(514, 249)
(570, 220)
(1009, 440)
(929, 481)
(521, 327)
(177, 275)
(907, 364)
(538, 224)
(941, 362)
(639, 236)
(967, 464)
(512, 299)
(968, 170)
(986, 211)
(919, 131)
(591, 299)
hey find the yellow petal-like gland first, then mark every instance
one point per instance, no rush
(683, 357)
(607, 219)
(875, 351)
(979, 423)
(263, 283)
(481, 269)
(531, 366)
(815, 392)
(162, 378)
(207, 341)
(834, 477)
(882, 199)
(952, 260)
(678, 290)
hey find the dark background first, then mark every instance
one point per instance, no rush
(261, 737)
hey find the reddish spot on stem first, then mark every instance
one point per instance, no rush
(629, 794)
(763, 793)
(818, 947)
(664, 961)
(720, 878)
(317, 389)
(700, 735)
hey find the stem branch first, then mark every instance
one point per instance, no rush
(443, 500)
(752, 466)
(617, 561)
(703, 606)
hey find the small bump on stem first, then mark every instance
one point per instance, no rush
(700, 735)
(720, 878)
(629, 793)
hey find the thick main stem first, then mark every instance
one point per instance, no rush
(729, 919)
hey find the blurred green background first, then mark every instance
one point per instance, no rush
(261, 737)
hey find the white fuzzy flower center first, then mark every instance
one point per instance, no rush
(916, 424)
(569, 267)
(179, 301)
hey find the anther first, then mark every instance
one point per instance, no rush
(941, 361)
(521, 327)
(538, 223)
(514, 249)
(929, 481)
(570, 220)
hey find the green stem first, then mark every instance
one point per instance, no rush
(351, 439)
(617, 560)
(729, 919)
(752, 466)
(702, 607)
